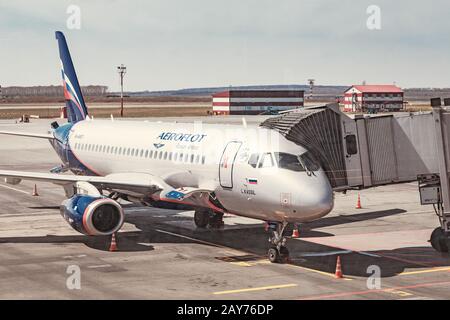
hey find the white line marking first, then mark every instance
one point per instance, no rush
(368, 254)
(11, 188)
(100, 266)
(323, 254)
(145, 244)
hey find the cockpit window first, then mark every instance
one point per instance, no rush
(309, 161)
(304, 162)
(253, 160)
(266, 161)
(288, 161)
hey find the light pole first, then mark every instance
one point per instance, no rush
(311, 86)
(121, 70)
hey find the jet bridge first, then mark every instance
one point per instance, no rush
(369, 151)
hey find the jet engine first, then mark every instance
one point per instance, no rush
(93, 215)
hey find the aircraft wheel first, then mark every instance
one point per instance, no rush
(201, 218)
(439, 240)
(273, 255)
(216, 221)
(284, 254)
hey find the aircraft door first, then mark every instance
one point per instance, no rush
(227, 163)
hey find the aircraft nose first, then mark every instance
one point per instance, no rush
(317, 202)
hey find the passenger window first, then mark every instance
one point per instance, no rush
(253, 160)
(197, 159)
(156, 155)
(151, 154)
(165, 155)
(160, 155)
(266, 161)
(180, 157)
(203, 159)
(128, 151)
(350, 144)
(146, 153)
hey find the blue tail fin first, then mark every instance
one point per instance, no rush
(76, 108)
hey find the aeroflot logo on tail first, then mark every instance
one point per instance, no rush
(186, 137)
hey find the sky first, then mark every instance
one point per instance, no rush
(174, 44)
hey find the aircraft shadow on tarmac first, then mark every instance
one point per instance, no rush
(252, 239)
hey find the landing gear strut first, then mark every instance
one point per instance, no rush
(430, 190)
(278, 253)
(208, 218)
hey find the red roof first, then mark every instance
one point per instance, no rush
(381, 88)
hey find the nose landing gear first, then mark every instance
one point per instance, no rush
(278, 253)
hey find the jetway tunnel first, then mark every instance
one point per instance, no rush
(367, 151)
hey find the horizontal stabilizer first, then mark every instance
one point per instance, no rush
(29, 134)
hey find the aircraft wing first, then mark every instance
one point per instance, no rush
(134, 182)
(138, 182)
(29, 134)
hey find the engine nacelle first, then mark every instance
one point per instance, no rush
(93, 215)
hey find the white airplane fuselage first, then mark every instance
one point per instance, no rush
(239, 163)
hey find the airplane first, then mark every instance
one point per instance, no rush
(244, 170)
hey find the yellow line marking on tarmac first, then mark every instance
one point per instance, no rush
(250, 263)
(424, 271)
(399, 292)
(193, 239)
(281, 286)
(11, 188)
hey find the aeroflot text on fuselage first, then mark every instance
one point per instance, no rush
(187, 137)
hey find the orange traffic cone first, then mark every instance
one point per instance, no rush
(358, 203)
(295, 233)
(35, 192)
(113, 246)
(338, 272)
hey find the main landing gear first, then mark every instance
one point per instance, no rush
(207, 218)
(278, 253)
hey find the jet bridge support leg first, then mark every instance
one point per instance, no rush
(440, 238)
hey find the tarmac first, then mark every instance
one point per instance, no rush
(162, 255)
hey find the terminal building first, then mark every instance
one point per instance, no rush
(256, 101)
(373, 98)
